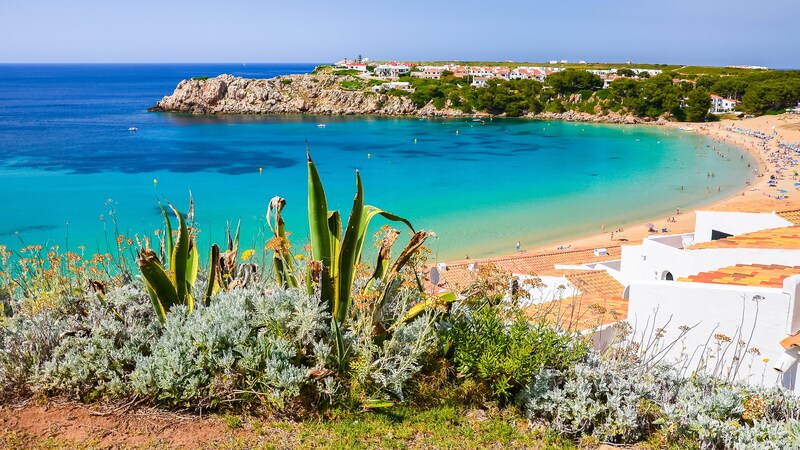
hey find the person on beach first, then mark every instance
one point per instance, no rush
(518, 244)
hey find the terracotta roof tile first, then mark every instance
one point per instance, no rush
(787, 238)
(458, 276)
(791, 342)
(600, 303)
(746, 275)
(792, 216)
(582, 312)
(595, 282)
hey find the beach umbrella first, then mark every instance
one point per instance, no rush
(783, 191)
(649, 225)
(797, 184)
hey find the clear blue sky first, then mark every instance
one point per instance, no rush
(714, 32)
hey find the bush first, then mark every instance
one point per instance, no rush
(618, 400)
(244, 345)
(99, 351)
(505, 352)
(27, 341)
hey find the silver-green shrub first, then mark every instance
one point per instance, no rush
(383, 369)
(27, 341)
(98, 352)
(246, 343)
(617, 400)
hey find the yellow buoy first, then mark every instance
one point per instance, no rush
(155, 180)
(456, 131)
(260, 169)
(369, 155)
(415, 140)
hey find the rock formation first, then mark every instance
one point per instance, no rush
(290, 94)
(317, 95)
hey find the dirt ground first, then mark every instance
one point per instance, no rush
(72, 425)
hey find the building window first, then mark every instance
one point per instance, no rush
(667, 276)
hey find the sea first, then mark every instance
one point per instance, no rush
(73, 174)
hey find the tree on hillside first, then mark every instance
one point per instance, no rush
(697, 105)
(625, 72)
(572, 80)
(731, 87)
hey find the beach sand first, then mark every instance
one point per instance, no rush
(756, 197)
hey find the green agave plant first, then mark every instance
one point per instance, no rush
(337, 251)
(171, 285)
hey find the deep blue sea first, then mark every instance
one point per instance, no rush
(67, 160)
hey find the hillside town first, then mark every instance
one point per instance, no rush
(480, 75)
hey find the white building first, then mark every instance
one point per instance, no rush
(723, 300)
(391, 70)
(722, 105)
(734, 282)
(400, 85)
(480, 81)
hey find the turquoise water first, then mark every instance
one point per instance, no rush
(480, 187)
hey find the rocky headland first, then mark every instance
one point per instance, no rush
(317, 94)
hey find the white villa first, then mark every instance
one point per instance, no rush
(391, 70)
(722, 105)
(401, 85)
(723, 300)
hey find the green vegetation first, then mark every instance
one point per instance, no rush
(199, 78)
(346, 72)
(574, 89)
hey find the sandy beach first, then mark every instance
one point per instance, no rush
(758, 196)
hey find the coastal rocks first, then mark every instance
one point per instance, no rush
(323, 95)
(572, 116)
(292, 94)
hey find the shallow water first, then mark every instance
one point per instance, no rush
(67, 158)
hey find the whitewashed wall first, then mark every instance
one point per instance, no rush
(734, 223)
(733, 311)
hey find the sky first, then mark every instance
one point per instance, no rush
(694, 32)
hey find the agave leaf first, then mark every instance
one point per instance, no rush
(159, 286)
(350, 254)
(384, 258)
(369, 213)
(282, 261)
(180, 259)
(442, 299)
(168, 232)
(234, 245)
(192, 265)
(318, 226)
(213, 270)
(341, 351)
(413, 245)
(335, 228)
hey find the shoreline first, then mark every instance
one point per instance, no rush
(756, 197)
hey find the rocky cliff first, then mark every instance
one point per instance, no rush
(291, 94)
(315, 94)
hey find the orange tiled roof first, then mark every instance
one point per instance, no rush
(792, 216)
(746, 275)
(777, 238)
(595, 282)
(600, 303)
(791, 342)
(457, 275)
